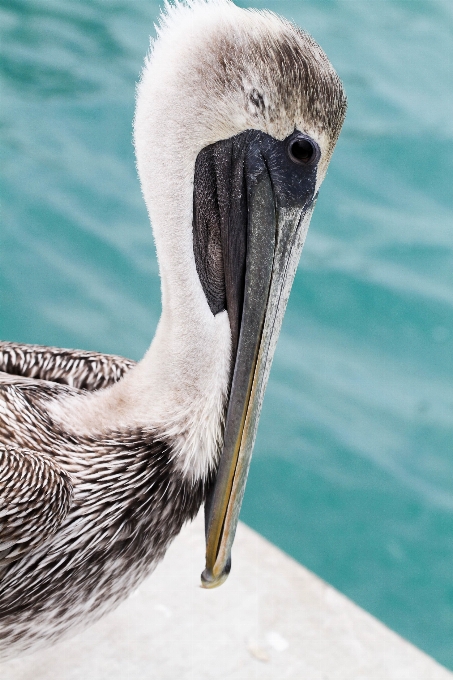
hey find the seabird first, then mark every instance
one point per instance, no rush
(103, 460)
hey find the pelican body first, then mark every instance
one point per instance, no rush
(103, 460)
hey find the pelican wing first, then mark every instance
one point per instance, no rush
(77, 368)
(35, 497)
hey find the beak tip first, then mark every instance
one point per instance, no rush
(209, 580)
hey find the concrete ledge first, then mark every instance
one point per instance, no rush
(272, 620)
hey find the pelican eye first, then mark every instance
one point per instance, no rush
(302, 150)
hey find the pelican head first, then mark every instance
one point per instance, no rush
(238, 112)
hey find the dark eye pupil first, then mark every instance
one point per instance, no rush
(301, 151)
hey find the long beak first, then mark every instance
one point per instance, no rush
(275, 236)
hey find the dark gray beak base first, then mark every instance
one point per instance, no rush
(253, 199)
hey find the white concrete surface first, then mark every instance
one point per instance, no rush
(272, 620)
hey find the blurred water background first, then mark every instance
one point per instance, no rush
(353, 470)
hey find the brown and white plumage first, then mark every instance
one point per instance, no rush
(103, 460)
(36, 494)
(83, 370)
(82, 519)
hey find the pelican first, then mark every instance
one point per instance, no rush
(103, 460)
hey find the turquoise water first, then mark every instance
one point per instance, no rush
(353, 470)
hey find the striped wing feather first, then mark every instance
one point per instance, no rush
(77, 368)
(35, 497)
